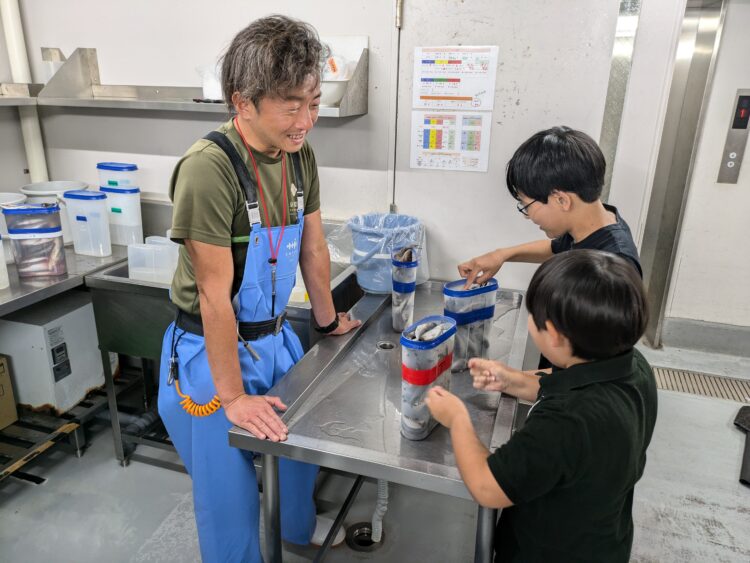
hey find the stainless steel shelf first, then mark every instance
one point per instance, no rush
(16, 101)
(134, 103)
(77, 84)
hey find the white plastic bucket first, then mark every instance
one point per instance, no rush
(89, 222)
(8, 198)
(51, 192)
(125, 223)
(117, 174)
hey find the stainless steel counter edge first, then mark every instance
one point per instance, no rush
(25, 292)
(317, 363)
(419, 474)
(506, 410)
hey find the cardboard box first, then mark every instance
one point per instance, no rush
(8, 413)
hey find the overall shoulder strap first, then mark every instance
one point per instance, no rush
(247, 181)
(299, 180)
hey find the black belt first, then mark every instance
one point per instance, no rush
(247, 331)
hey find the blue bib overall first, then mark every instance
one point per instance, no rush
(225, 490)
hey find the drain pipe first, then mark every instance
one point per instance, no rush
(380, 509)
(20, 73)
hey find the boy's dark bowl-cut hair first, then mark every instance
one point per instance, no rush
(561, 159)
(595, 299)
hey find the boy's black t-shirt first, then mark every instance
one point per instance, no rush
(570, 470)
(615, 238)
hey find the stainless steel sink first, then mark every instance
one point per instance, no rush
(131, 315)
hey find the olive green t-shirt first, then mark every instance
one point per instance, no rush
(209, 204)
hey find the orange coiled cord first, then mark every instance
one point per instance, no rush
(193, 408)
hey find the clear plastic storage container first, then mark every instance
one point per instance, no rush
(117, 174)
(89, 222)
(52, 192)
(473, 310)
(37, 241)
(154, 261)
(125, 223)
(8, 199)
(404, 266)
(426, 356)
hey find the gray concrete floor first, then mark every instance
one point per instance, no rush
(689, 506)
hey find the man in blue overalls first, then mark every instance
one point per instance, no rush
(242, 196)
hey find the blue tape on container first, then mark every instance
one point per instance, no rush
(400, 287)
(398, 264)
(81, 218)
(456, 288)
(472, 316)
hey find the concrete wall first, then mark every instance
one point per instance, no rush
(551, 72)
(12, 156)
(553, 69)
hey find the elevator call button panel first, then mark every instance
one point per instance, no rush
(734, 147)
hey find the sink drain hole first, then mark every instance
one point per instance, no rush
(359, 537)
(386, 345)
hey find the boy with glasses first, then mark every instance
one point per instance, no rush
(556, 177)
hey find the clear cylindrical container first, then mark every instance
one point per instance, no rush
(89, 221)
(8, 199)
(52, 192)
(473, 310)
(426, 357)
(36, 237)
(125, 223)
(117, 174)
(404, 271)
(4, 280)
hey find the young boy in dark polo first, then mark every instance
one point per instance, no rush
(556, 177)
(566, 478)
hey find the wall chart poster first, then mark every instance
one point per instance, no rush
(450, 140)
(454, 92)
(453, 78)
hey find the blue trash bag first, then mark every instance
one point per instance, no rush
(375, 236)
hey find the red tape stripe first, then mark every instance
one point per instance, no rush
(426, 376)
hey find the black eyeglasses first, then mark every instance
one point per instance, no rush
(524, 209)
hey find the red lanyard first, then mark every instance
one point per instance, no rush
(274, 254)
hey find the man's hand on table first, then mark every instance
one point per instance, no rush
(255, 414)
(346, 324)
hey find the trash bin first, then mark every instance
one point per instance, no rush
(374, 237)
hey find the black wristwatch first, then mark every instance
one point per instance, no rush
(329, 328)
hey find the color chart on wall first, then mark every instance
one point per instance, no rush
(452, 78)
(454, 92)
(450, 140)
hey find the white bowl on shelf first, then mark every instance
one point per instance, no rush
(331, 92)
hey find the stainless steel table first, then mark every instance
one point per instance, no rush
(344, 400)
(27, 291)
(131, 317)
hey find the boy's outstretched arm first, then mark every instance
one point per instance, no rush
(492, 375)
(482, 268)
(471, 455)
